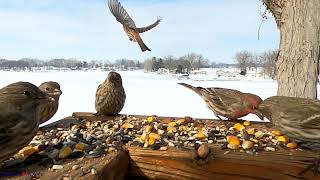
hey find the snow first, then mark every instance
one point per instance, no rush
(147, 93)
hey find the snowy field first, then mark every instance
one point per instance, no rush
(147, 94)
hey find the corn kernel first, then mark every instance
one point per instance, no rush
(127, 126)
(154, 136)
(148, 129)
(283, 139)
(247, 123)
(171, 129)
(292, 145)
(151, 141)
(173, 124)
(276, 133)
(251, 131)
(247, 144)
(238, 127)
(143, 137)
(233, 140)
(180, 121)
(150, 119)
(200, 135)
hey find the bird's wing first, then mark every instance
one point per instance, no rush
(303, 111)
(147, 28)
(6, 125)
(120, 13)
(224, 97)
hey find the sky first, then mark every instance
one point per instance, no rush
(86, 29)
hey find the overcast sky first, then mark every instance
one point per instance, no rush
(86, 29)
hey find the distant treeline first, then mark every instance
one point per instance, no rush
(181, 64)
(28, 63)
(184, 64)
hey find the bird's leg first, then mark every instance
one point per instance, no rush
(97, 114)
(219, 117)
(315, 166)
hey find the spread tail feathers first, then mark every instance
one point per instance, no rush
(141, 44)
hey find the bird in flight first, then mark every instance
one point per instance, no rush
(129, 25)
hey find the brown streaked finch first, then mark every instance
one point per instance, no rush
(48, 110)
(110, 95)
(228, 103)
(298, 118)
(129, 25)
(19, 120)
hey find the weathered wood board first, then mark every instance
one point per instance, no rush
(179, 164)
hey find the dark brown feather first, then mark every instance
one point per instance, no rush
(110, 95)
(19, 120)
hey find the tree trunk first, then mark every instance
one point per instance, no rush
(299, 55)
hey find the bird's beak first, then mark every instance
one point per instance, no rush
(57, 92)
(45, 97)
(258, 113)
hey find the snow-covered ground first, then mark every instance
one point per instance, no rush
(147, 93)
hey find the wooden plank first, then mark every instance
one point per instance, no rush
(179, 164)
(111, 167)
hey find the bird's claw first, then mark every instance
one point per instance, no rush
(315, 167)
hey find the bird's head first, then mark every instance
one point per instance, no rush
(265, 109)
(25, 94)
(114, 78)
(253, 100)
(51, 88)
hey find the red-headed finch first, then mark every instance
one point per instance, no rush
(298, 118)
(19, 120)
(129, 25)
(229, 103)
(48, 110)
(110, 95)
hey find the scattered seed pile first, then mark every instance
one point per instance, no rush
(94, 139)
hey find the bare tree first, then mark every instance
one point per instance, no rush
(268, 63)
(195, 60)
(299, 52)
(148, 64)
(170, 62)
(243, 59)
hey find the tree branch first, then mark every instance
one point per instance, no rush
(275, 6)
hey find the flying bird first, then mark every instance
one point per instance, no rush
(229, 103)
(19, 116)
(298, 118)
(129, 25)
(110, 95)
(48, 110)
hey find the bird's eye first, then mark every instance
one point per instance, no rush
(47, 89)
(27, 93)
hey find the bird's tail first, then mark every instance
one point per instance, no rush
(195, 89)
(141, 43)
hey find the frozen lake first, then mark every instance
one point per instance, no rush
(147, 93)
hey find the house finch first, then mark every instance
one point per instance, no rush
(298, 118)
(229, 103)
(19, 120)
(110, 95)
(48, 110)
(128, 24)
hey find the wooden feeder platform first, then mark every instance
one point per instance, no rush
(145, 163)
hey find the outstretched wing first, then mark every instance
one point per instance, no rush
(120, 13)
(147, 28)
